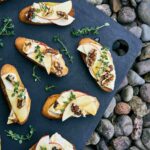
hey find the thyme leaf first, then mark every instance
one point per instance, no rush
(64, 49)
(39, 55)
(35, 76)
(49, 87)
(88, 30)
(7, 29)
(19, 137)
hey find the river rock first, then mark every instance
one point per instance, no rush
(88, 148)
(106, 129)
(102, 145)
(124, 83)
(122, 108)
(127, 93)
(147, 77)
(134, 79)
(144, 11)
(136, 90)
(115, 5)
(145, 53)
(147, 120)
(138, 106)
(123, 126)
(146, 137)
(126, 15)
(137, 31)
(105, 9)
(134, 148)
(95, 2)
(95, 138)
(121, 143)
(140, 145)
(145, 33)
(110, 108)
(145, 92)
(137, 128)
(143, 67)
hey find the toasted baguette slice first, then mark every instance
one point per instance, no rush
(25, 14)
(98, 58)
(19, 103)
(55, 141)
(52, 61)
(70, 104)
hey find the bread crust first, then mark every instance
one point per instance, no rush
(23, 18)
(49, 102)
(19, 42)
(7, 68)
(88, 40)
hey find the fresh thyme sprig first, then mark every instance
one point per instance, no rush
(49, 87)
(35, 76)
(19, 137)
(88, 30)
(64, 48)
(7, 29)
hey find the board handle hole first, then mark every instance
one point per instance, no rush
(120, 47)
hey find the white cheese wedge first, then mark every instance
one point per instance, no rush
(43, 143)
(8, 85)
(57, 138)
(87, 104)
(23, 112)
(47, 61)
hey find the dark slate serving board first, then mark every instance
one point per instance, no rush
(79, 130)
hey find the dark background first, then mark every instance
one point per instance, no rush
(75, 130)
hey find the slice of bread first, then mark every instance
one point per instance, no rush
(19, 113)
(24, 11)
(70, 104)
(49, 65)
(84, 57)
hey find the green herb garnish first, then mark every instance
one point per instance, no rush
(87, 30)
(21, 94)
(72, 96)
(64, 48)
(7, 29)
(35, 76)
(49, 87)
(19, 137)
(16, 88)
(43, 148)
(39, 55)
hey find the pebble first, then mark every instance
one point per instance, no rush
(88, 148)
(126, 15)
(144, 11)
(147, 77)
(115, 5)
(145, 33)
(146, 120)
(134, 148)
(122, 108)
(136, 90)
(137, 128)
(102, 145)
(138, 106)
(127, 93)
(145, 53)
(146, 137)
(123, 126)
(95, 138)
(110, 108)
(118, 97)
(95, 2)
(121, 143)
(125, 2)
(105, 9)
(106, 129)
(140, 145)
(133, 3)
(137, 31)
(145, 92)
(134, 79)
(143, 67)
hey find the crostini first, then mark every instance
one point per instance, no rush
(70, 104)
(55, 142)
(43, 55)
(16, 95)
(48, 13)
(99, 62)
